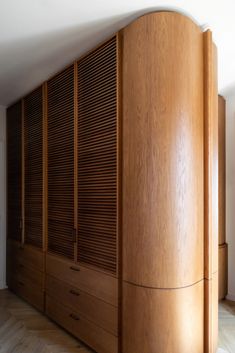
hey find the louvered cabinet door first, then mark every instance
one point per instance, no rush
(97, 158)
(14, 170)
(60, 117)
(33, 169)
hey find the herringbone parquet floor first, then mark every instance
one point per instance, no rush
(24, 330)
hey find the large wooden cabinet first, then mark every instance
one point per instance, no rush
(109, 168)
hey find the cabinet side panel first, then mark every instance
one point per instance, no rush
(14, 171)
(222, 170)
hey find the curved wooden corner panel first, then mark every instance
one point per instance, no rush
(163, 151)
(166, 321)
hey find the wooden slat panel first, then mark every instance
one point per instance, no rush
(61, 163)
(14, 170)
(97, 157)
(33, 173)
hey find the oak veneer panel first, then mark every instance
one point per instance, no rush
(223, 271)
(163, 151)
(93, 309)
(33, 168)
(211, 157)
(222, 169)
(94, 336)
(60, 154)
(93, 282)
(98, 157)
(14, 171)
(210, 195)
(157, 321)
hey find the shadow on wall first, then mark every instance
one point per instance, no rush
(230, 188)
(2, 199)
(27, 62)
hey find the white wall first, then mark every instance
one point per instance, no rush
(2, 197)
(230, 190)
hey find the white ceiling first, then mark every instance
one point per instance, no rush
(39, 37)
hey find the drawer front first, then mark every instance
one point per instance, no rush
(29, 256)
(93, 282)
(28, 275)
(91, 308)
(95, 337)
(32, 294)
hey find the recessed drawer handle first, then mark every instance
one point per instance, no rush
(74, 268)
(21, 265)
(21, 283)
(74, 317)
(74, 292)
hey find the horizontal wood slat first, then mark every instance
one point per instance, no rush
(14, 171)
(33, 162)
(60, 115)
(97, 158)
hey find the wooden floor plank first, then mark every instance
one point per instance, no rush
(226, 327)
(25, 330)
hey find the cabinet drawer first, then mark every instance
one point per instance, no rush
(28, 255)
(91, 308)
(93, 282)
(28, 275)
(95, 337)
(32, 294)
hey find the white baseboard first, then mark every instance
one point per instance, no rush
(231, 297)
(221, 350)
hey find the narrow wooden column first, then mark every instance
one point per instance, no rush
(210, 194)
(223, 246)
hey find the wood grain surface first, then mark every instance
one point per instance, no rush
(163, 151)
(222, 169)
(223, 271)
(165, 321)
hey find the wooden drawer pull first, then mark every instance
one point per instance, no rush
(74, 268)
(74, 317)
(74, 292)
